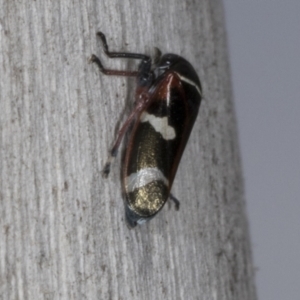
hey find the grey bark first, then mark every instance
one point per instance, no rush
(63, 234)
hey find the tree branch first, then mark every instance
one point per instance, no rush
(63, 233)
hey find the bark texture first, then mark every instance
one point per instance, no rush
(63, 233)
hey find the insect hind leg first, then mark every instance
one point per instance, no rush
(114, 150)
(175, 200)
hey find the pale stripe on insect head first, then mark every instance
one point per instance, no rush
(160, 124)
(188, 81)
(143, 177)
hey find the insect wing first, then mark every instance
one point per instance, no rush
(155, 146)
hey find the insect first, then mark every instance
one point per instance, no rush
(167, 100)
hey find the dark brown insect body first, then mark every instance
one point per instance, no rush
(168, 97)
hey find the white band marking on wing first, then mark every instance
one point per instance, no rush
(160, 124)
(143, 177)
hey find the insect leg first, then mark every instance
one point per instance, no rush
(119, 54)
(176, 201)
(105, 71)
(146, 60)
(114, 150)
